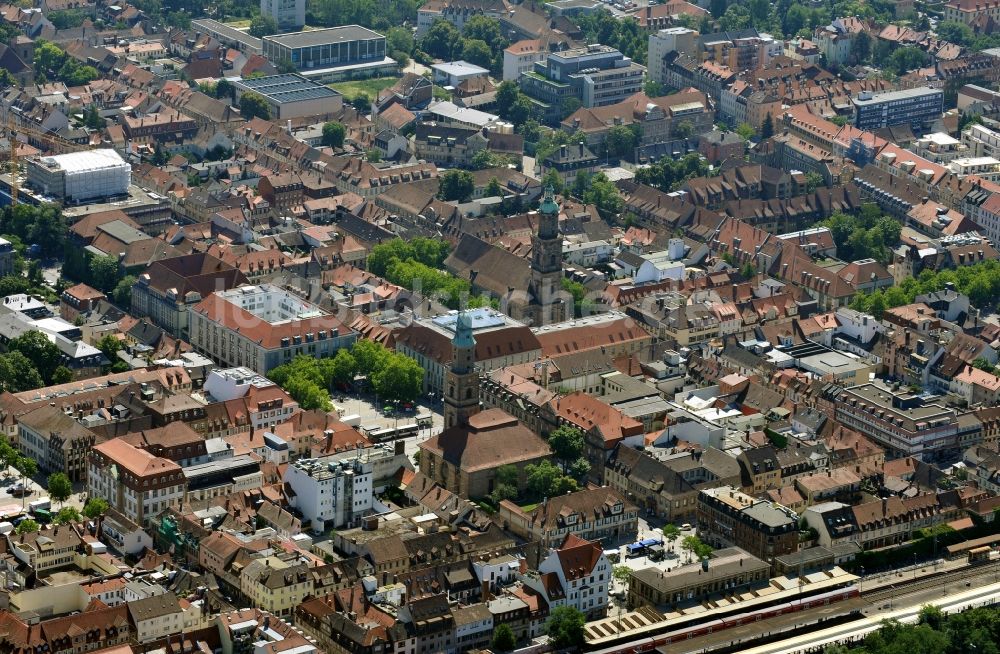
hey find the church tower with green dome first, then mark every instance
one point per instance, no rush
(461, 396)
(545, 290)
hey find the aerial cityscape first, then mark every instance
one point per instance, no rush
(485, 326)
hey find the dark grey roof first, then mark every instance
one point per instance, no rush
(324, 37)
(288, 88)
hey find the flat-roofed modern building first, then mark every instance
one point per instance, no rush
(596, 75)
(333, 53)
(262, 327)
(915, 107)
(292, 95)
(80, 176)
(904, 423)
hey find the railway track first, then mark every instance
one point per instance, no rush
(908, 585)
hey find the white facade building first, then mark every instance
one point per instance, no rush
(331, 492)
(80, 176)
(662, 43)
(290, 15)
(582, 572)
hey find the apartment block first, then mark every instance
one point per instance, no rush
(915, 107)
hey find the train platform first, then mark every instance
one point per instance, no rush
(648, 621)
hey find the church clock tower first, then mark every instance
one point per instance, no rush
(545, 288)
(461, 396)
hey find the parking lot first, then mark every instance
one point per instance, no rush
(373, 414)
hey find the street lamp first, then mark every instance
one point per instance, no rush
(861, 586)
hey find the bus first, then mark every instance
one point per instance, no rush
(394, 433)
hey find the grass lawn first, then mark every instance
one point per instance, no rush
(237, 24)
(370, 87)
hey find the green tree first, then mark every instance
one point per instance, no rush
(485, 29)
(399, 39)
(905, 59)
(671, 531)
(568, 107)
(547, 480)
(370, 356)
(344, 367)
(507, 474)
(27, 526)
(566, 443)
(7, 456)
(62, 375)
(333, 134)
(621, 140)
(684, 129)
(621, 573)
(736, 17)
(522, 110)
(477, 52)
(579, 469)
(746, 131)
(983, 364)
(95, 507)
(92, 118)
(493, 189)
(27, 467)
(767, 127)
(103, 272)
(861, 47)
(400, 379)
(503, 638)
(813, 182)
(38, 349)
(955, 32)
(697, 548)
(602, 193)
(565, 627)
(122, 295)
(507, 94)
(442, 40)
(66, 515)
(653, 89)
(59, 487)
(224, 90)
(502, 492)
(552, 178)
(18, 373)
(253, 105)
(307, 393)
(262, 26)
(456, 185)
(49, 58)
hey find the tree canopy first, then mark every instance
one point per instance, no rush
(456, 185)
(565, 627)
(253, 105)
(333, 134)
(980, 281)
(868, 235)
